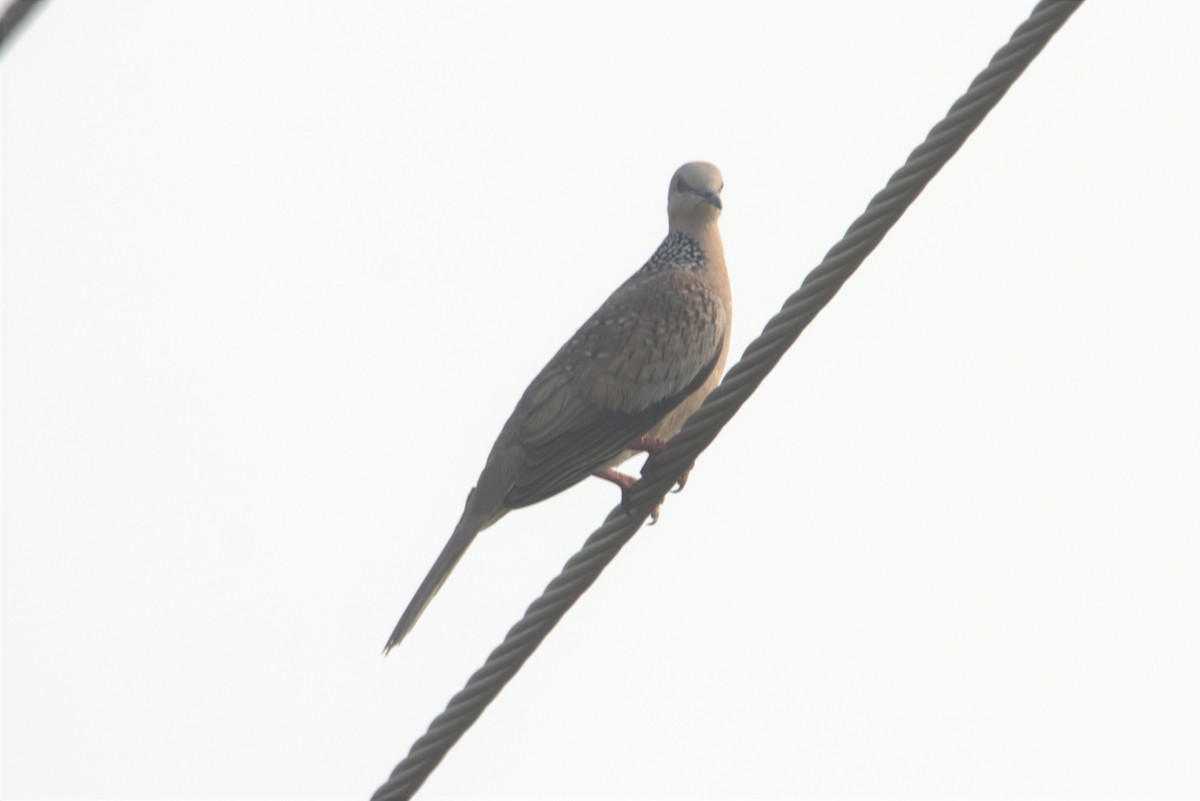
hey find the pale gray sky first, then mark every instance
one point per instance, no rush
(275, 273)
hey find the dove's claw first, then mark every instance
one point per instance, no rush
(625, 481)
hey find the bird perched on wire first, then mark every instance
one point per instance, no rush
(624, 383)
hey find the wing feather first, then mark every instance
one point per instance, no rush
(650, 346)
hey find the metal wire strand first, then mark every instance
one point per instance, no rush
(11, 20)
(702, 427)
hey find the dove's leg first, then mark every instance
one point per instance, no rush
(649, 445)
(624, 481)
(652, 446)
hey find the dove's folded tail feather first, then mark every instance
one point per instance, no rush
(464, 534)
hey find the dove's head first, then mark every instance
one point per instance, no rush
(694, 199)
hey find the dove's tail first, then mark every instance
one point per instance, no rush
(464, 534)
(447, 559)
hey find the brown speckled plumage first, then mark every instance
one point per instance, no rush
(637, 368)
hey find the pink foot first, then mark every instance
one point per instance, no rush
(653, 446)
(683, 479)
(625, 481)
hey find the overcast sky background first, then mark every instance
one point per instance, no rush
(275, 273)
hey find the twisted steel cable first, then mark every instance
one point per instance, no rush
(13, 17)
(702, 427)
